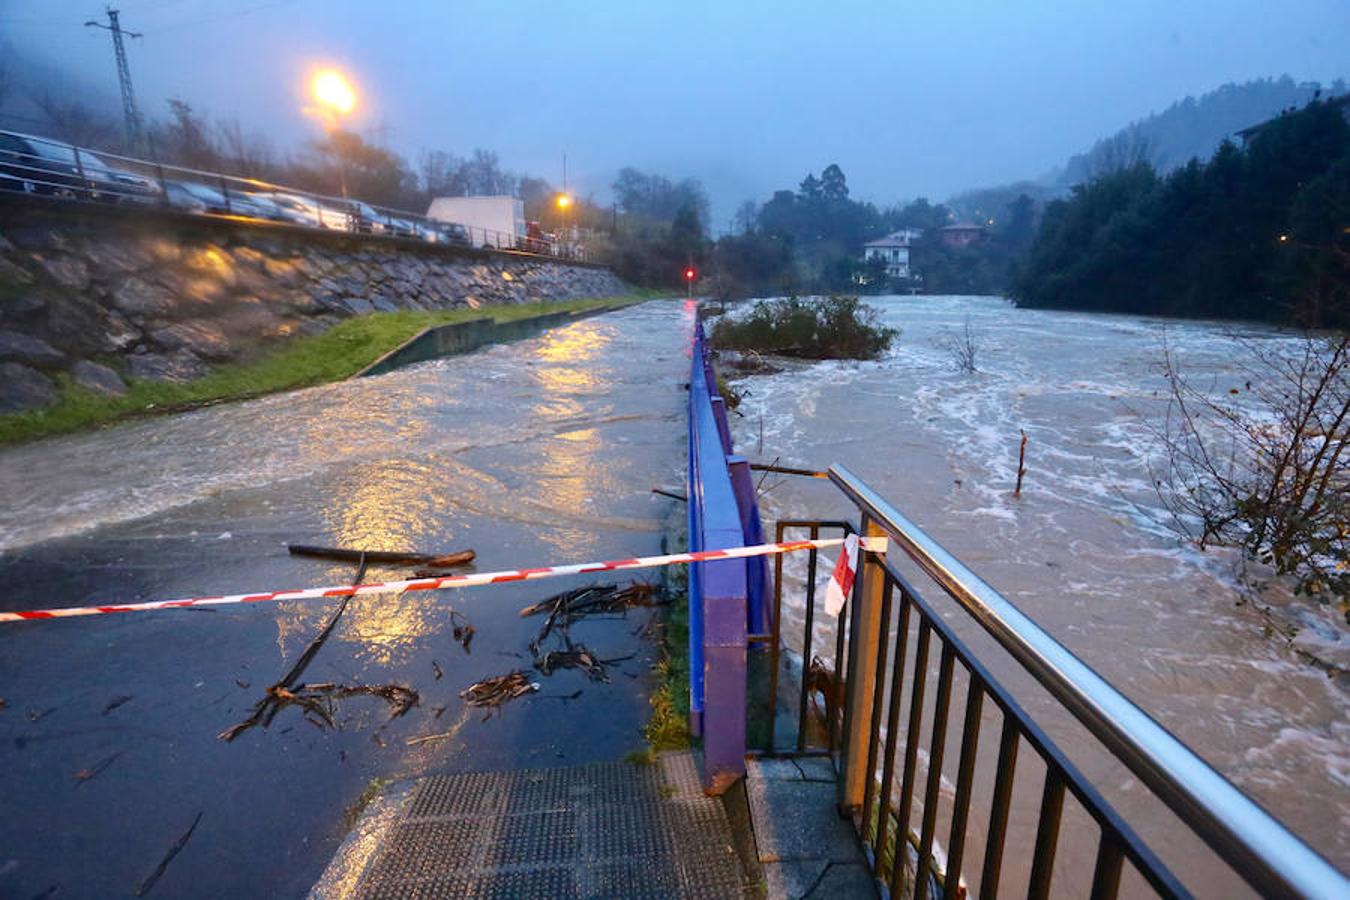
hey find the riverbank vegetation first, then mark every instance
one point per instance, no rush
(1258, 232)
(1263, 466)
(338, 353)
(836, 327)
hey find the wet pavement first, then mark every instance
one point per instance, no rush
(532, 453)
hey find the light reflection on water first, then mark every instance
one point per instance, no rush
(530, 453)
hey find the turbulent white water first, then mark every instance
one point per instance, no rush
(1085, 550)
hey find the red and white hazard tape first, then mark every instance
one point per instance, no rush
(445, 581)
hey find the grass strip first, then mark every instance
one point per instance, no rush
(338, 353)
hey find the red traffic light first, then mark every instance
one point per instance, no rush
(690, 274)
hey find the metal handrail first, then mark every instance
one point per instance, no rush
(1265, 853)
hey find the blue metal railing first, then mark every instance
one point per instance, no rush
(726, 597)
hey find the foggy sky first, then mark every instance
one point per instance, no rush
(927, 97)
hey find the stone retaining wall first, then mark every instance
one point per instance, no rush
(106, 294)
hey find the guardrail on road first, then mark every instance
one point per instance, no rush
(37, 165)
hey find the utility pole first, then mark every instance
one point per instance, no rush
(129, 111)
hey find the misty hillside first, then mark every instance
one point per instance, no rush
(1192, 127)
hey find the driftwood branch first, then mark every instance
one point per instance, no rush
(379, 557)
(1021, 465)
(178, 845)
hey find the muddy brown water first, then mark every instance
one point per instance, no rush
(1084, 551)
(532, 453)
(544, 451)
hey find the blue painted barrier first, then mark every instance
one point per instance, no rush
(726, 597)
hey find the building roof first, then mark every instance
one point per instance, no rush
(895, 239)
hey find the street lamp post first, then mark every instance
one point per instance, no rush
(564, 202)
(335, 98)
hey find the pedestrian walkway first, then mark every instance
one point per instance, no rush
(804, 848)
(621, 830)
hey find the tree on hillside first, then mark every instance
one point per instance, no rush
(833, 184)
(248, 154)
(1254, 233)
(747, 214)
(369, 172)
(1127, 149)
(656, 197)
(1019, 225)
(1194, 127)
(919, 214)
(186, 139)
(752, 265)
(70, 120)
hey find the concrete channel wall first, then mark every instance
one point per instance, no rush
(102, 293)
(463, 337)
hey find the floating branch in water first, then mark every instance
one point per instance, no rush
(378, 557)
(461, 630)
(601, 598)
(575, 657)
(178, 845)
(116, 702)
(317, 702)
(97, 768)
(1021, 465)
(493, 692)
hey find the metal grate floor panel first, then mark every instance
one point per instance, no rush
(604, 830)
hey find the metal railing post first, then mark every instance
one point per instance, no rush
(79, 170)
(225, 192)
(868, 597)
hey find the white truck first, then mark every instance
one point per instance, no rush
(491, 221)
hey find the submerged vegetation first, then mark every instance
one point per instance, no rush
(1275, 487)
(836, 327)
(338, 353)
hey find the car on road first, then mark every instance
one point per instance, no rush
(241, 204)
(414, 229)
(454, 233)
(367, 219)
(110, 184)
(311, 211)
(39, 166)
(195, 198)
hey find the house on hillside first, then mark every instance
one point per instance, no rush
(962, 234)
(894, 249)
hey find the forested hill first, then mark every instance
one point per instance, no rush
(1193, 127)
(1258, 232)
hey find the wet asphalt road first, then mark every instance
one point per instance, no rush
(532, 453)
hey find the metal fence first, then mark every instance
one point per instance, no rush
(888, 725)
(38, 165)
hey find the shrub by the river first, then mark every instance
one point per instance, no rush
(813, 328)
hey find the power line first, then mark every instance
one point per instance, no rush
(129, 110)
(218, 17)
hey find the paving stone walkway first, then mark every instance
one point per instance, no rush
(805, 849)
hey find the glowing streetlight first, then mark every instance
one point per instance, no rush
(333, 92)
(564, 201)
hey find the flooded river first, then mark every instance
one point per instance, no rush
(1083, 551)
(544, 451)
(531, 453)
